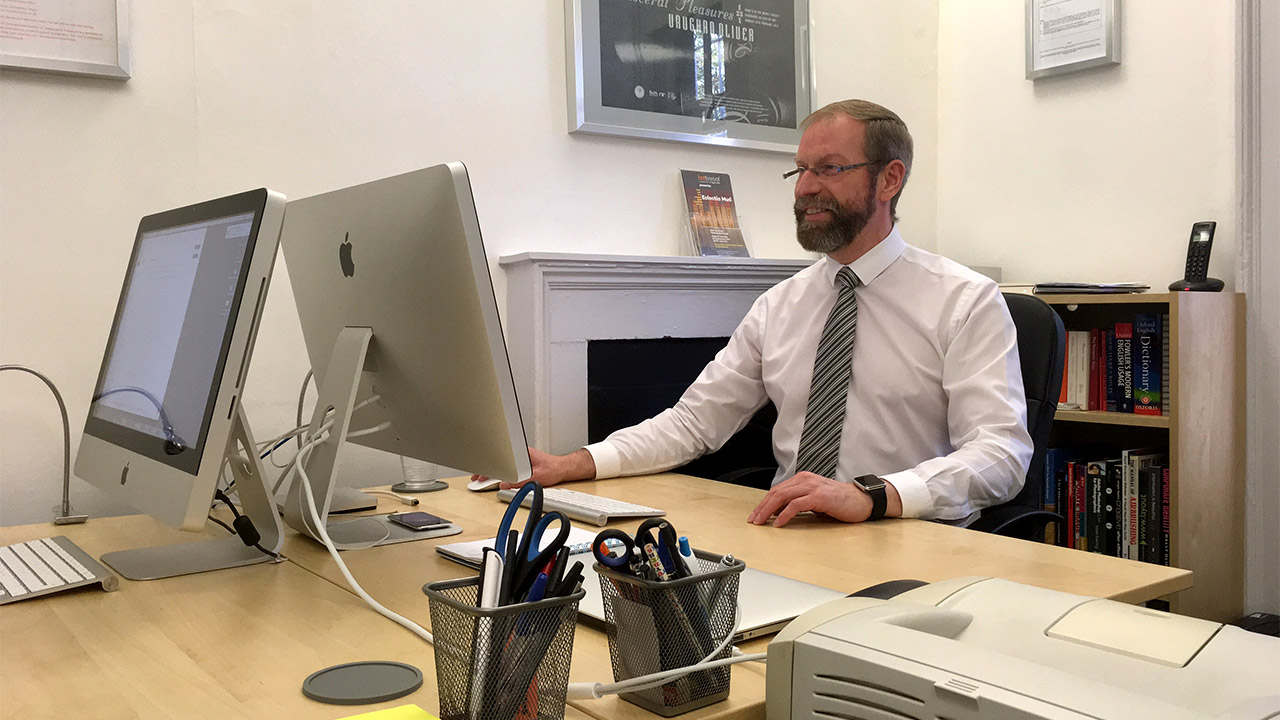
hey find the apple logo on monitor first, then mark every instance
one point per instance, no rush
(344, 257)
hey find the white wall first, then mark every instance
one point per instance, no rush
(1095, 175)
(305, 96)
(1098, 176)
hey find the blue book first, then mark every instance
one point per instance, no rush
(1148, 364)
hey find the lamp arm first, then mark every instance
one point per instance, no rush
(66, 517)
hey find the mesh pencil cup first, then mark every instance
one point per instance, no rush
(507, 663)
(654, 626)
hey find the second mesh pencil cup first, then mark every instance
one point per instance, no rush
(504, 662)
(655, 626)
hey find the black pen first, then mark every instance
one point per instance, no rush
(571, 580)
(510, 563)
(557, 569)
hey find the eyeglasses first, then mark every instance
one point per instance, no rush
(826, 171)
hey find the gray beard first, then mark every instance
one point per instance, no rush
(836, 234)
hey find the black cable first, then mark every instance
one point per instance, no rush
(243, 526)
(224, 525)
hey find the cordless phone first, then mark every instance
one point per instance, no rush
(1198, 248)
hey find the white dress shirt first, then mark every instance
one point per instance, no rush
(936, 402)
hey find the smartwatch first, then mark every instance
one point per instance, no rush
(873, 486)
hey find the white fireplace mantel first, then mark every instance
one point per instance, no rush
(558, 302)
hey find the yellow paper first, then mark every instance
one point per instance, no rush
(404, 712)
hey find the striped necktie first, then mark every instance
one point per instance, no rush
(819, 451)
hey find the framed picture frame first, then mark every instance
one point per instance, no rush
(74, 37)
(689, 72)
(1064, 36)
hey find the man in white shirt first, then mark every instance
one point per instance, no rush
(934, 415)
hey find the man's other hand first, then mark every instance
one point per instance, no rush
(814, 493)
(551, 469)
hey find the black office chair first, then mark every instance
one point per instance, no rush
(1041, 346)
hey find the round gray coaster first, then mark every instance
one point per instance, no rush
(419, 486)
(362, 683)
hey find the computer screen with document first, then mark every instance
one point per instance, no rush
(165, 412)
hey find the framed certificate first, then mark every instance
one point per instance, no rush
(1068, 35)
(76, 37)
(734, 74)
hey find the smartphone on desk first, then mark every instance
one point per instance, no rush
(418, 520)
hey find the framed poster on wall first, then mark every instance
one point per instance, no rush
(1068, 35)
(75, 37)
(734, 74)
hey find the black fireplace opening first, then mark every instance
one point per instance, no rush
(629, 381)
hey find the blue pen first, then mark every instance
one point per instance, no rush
(536, 592)
(538, 589)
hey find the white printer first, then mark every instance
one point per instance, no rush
(973, 648)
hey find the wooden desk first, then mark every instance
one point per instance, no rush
(713, 515)
(230, 644)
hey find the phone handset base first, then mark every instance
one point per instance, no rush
(1206, 285)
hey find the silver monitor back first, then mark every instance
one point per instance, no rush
(403, 257)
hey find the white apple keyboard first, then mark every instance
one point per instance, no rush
(48, 565)
(585, 507)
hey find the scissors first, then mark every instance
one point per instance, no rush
(664, 543)
(528, 555)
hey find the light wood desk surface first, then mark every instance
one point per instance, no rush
(713, 515)
(229, 644)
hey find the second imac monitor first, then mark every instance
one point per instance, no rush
(401, 327)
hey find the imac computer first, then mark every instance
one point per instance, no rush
(401, 326)
(166, 413)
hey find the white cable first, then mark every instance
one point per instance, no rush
(595, 690)
(369, 431)
(405, 622)
(406, 499)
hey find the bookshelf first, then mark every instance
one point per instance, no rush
(1204, 431)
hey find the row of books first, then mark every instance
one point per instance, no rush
(1119, 368)
(1114, 504)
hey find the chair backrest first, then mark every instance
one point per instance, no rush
(1041, 350)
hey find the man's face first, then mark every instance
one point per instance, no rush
(831, 211)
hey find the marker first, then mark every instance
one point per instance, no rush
(490, 578)
(655, 562)
(691, 565)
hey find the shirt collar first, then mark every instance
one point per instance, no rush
(874, 262)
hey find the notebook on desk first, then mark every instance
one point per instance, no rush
(768, 601)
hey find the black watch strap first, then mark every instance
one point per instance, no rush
(874, 486)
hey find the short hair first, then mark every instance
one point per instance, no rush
(886, 137)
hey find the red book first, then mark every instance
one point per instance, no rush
(1096, 368)
(1081, 503)
(1069, 511)
(1066, 360)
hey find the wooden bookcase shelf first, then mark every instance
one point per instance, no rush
(1204, 431)
(1111, 418)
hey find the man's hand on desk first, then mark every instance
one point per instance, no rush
(551, 469)
(814, 493)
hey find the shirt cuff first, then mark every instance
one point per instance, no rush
(608, 462)
(916, 499)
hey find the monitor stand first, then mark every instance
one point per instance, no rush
(164, 561)
(338, 393)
